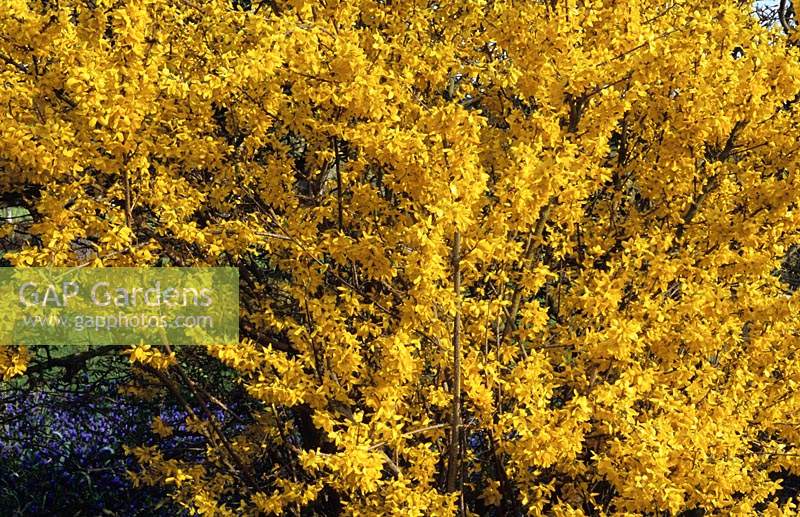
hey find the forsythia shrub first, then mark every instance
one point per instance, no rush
(511, 257)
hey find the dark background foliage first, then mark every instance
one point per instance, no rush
(63, 427)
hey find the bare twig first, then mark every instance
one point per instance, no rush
(455, 417)
(338, 184)
(516, 297)
(782, 17)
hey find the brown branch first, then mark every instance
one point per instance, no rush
(712, 183)
(242, 467)
(411, 433)
(691, 212)
(6, 59)
(63, 97)
(128, 200)
(455, 417)
(782, 17)
(338, 183)
(175, 391)
(71, 362)
(516, 297)
(272, 4)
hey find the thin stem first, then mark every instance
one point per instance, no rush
(455, 417)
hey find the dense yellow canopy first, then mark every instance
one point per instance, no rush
(564, 215)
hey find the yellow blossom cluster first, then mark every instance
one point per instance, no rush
(509, 255)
